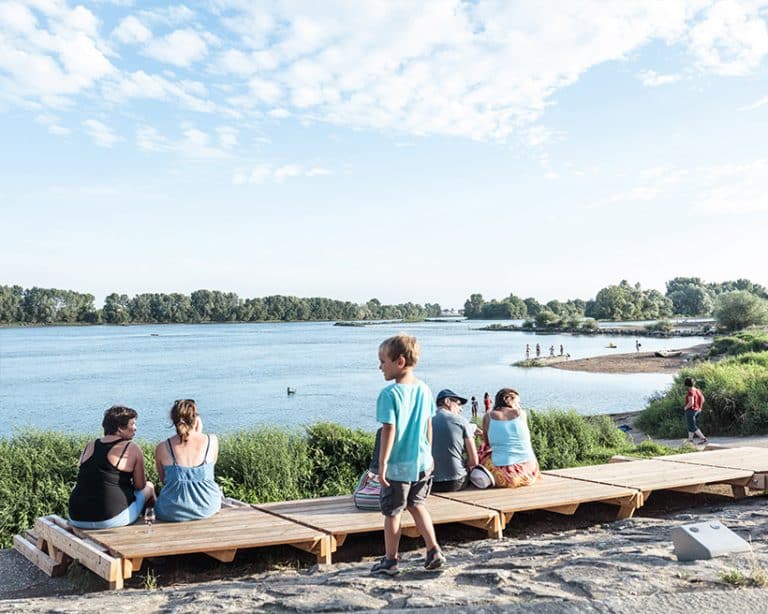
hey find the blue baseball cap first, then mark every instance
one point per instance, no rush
(446, 393)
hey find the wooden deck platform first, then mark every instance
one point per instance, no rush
(114, 554)
(653, 474)
(551, 493)
(748, 458)
(339, 516)
(321, 525)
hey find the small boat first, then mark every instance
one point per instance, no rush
(291, 391)
(611, 345)
(668, 353)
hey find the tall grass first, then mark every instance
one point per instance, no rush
(736, 393)
(39, 468)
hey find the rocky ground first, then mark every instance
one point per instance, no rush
(545, 563)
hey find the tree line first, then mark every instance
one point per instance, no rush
(685, 296)
(53, 306)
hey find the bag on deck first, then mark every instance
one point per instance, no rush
(367, 492)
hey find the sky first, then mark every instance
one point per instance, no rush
(408, 151)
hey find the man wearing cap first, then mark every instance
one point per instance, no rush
(452, 434)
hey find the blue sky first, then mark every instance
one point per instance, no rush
(401, 150)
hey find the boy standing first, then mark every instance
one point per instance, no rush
(405, 409)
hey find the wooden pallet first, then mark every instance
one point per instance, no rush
(750, 458)
(340, 517)
(114, 554)
(651, 475)
(551, 493)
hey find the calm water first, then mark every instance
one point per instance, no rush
(64, 377)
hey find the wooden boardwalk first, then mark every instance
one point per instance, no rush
(339, 516)
(651, 475)
(320, 526)
(551, 493)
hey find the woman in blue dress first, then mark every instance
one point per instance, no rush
(185, 466)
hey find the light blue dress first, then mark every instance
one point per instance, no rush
(189, 493)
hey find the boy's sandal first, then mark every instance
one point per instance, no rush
(703, 440)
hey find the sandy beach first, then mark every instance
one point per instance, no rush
(636, 362)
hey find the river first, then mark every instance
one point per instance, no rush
(63, 378)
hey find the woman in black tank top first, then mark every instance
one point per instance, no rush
(112, 486)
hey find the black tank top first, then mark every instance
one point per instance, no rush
(101, 491)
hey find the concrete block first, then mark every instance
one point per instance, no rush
(705, 540)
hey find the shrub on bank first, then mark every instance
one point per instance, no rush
(736, 393)
(755, 340)
(266, 464)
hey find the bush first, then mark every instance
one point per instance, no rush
(736, 393)
(338, 456)
(755, 340)
(740, 309)
(265, 464)
(662, 326)
(566, 439)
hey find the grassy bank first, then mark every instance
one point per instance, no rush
(271, 464)
(735, 388)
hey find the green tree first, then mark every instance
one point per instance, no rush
(740, 309)
(532, 307)
(11, 304)
(473, 306)
(116, 309)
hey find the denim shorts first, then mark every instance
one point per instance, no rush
(399, 495)
(128, 516)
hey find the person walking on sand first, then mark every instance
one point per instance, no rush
(405, 408)
(694, 401)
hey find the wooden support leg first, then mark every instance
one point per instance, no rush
(739, 492)
(491, 525)
(322, 548)
(567, 510)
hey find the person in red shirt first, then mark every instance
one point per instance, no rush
(694, 401)
(487, 402)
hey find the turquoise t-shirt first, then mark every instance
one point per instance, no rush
(408, 407)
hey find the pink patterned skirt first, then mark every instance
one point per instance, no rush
(510, 476)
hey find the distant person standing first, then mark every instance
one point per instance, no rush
(694, 401)
(527, 351)
(637, 345)
(538, 352)
(474, 407)
(561, 349)
(487, 402)
(551, 351)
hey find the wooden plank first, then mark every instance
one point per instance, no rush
(550, 492)
(99, 562)
(751, 458)
(225, 556)
(653, 474)
(48, 565)
(340, 517)
(233, 528)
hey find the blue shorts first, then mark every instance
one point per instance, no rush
(690, 418)
(128, 516)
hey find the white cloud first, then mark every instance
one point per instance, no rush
(263, 173)
(52, 122)
(734, 189)
(180, 48)
(284, 172)
(757, 104)
(149, 139)
(651, 78)
(131, 31)
(732, 39)
(317, 172)
(102, 134)
(227, 136)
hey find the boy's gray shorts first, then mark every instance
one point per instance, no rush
(395, 497)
